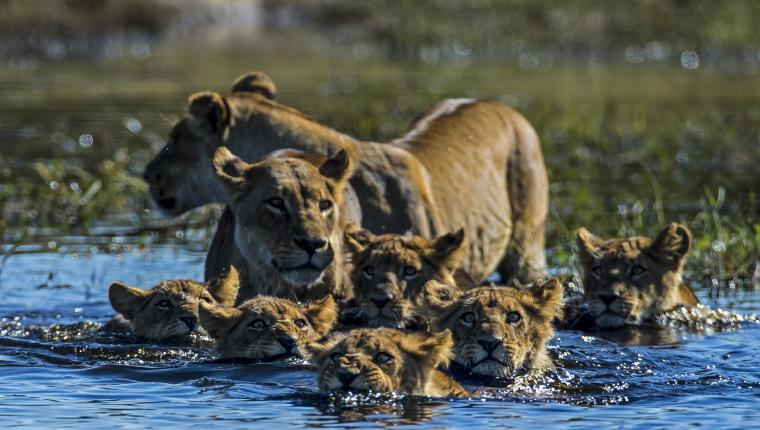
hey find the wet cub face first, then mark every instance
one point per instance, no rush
(628, 280)
(497, 330)
(267, 327)
(170, 309)
(383, 360)
(390, 271)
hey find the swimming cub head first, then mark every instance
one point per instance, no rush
(170, 309)
(629, 280)
(267, 327)
(390, 270)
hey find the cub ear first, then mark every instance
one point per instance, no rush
(588, 245)
(448, 249)
(225, 288)
(437, 297)
(671, 245)
(357, 238)
(338, 169)
(547, 298)
(127, 300)
(432, 350)
(229, 168)
(322, 314)
(217, 320)
(210, 109)
(255, 82)
(318, 352)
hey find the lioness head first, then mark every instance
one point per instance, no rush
(267, 327)
(287, 214)
(390, 270)
(180, 176)
(383, 360)
(170, 309)
(629, 280)
(497, 330)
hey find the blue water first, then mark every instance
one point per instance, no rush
(73, 378)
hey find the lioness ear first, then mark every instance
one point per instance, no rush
(432, 350)
(225, 288)
(217, 320)
(357, 238)
(448, 249)
(671, 245)
(338, 169)
(547, 298)
(230, 168)
(587, 246)
(322, 314)
(127, 300)
(255, 82)
(210, 109)
(436, 297)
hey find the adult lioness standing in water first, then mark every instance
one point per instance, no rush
(465, 163)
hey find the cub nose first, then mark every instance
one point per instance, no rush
(607, 298)
(346, 378)
(286, 342)
(310, 245)
(151, 178)
(190, 321)
(380, 303)
(488, 344)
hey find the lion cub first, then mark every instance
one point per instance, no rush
(390, 270)
(630, 280)
(267, 327)
(170, 309)
(497, 330)
(386, 360)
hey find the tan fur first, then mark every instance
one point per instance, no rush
(267, 327)
(480, 321)
(629, 280)
(170, 309)
(389, 272)
(287, 235)
(465, 163)
(386, 360)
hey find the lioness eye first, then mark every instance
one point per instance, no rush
(513, 317)
(258, 324)
(409, 271)
(597, 270)
(382, 357)
(637, 270)
(468, 317)
(164, 304)
(335, 357)
(325, 205)
(300, 323)
(369, 271)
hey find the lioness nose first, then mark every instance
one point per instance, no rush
(380, 303)
(607, 298)
(488, 344)
(310, 245)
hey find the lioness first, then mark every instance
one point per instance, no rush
(267, 327)
(170, 309)
(390, 270)
(497, 330)
(386, 360)
(465, 163)
(630, 280)
(288, 240)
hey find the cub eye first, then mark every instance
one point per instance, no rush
(335, 357)
(468, 317)
(258, 324)
(369, 271)
(637, 270)
(409, 271)
(300, 323)
(597, 270)
(164, 304)
(513, 317)
(382, 357)
(276, 203)
(325, 205)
